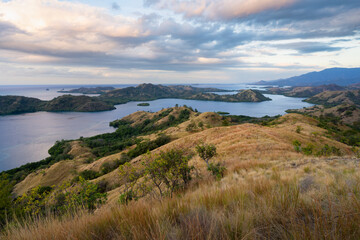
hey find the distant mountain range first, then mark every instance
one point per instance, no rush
(339, 76)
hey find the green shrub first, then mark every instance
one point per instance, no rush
(297, 145)
(89, 174)
(308, 150)
(217, 170)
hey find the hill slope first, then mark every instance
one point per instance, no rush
(270, 189)
(333, 98)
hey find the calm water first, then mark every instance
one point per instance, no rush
(27, 137)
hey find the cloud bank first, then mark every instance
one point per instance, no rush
(180, 35)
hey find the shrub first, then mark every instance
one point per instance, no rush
(191, 127)
(297, 145)
(110, 166)
(162, 175)
(217, 170)
(88, 174)
(329, 150)
(207, 152)
(308, 150)
(169, 169)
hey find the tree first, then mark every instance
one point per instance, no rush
(206, 152)
(161, 175)
(133, 187)
(169, 169)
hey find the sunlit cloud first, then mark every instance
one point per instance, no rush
(170, 38)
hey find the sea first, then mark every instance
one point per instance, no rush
(27, 137)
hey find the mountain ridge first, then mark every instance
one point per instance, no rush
(339, 76)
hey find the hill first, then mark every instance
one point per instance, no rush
(147, 92)
(340, 76)
(287, 177)
(19, 104)
(333, 98)
(304, 92)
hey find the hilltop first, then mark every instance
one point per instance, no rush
(340, 76)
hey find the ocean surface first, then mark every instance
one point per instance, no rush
(26, 137)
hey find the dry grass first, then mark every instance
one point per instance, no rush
(279, 202)
(269, 192)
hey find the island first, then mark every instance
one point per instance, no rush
(148, 92)
(144, 104)
(20, 104)
(107, 100)
(89, 90)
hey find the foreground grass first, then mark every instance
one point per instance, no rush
(279, 201)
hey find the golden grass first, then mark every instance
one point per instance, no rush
(269, 192)
(279, 201)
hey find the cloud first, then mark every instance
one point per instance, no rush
(309, 47)
(212, 35)
(115, 6)
(219, 9)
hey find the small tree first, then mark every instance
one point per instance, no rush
(133, 187)
(169, 171)
(207, 152)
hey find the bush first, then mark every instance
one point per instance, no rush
(217, 170)
(163, 175)
(308, 150)
(191, 127)
(297, 145)
(89, 174)
(207, 152)
(328, 151)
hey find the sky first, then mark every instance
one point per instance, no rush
(174, 41)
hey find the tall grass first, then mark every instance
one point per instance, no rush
(267, 207)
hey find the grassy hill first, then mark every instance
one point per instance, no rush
(304, 92)
(286, 177)
(333, 98)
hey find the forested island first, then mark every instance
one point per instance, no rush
(108, 98)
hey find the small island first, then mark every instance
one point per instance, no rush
(143, 104)
(223, 113)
